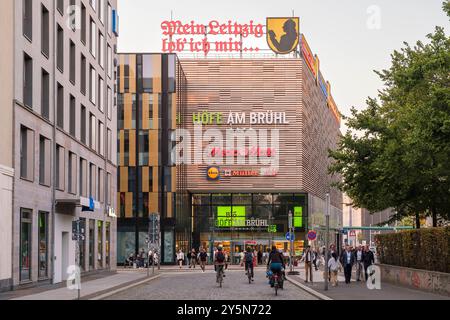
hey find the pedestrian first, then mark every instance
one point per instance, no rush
(308, 259)
(260, 256)
(265, 256)
(315, 258)
(359, 263)
(203, 257)
(193, 259)
(180, 258)
(368, 260)
(334, 266)
(347, 260)
(248, 262)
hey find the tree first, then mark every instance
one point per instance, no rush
(396, 153)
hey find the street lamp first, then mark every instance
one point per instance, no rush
(291, 234)
(327, 237)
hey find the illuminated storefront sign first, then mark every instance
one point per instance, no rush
(308, 56)
(240, 118)
(215, 173)
(298, 217)
(323, 85)
(236, 217)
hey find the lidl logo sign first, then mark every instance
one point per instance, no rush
(283, 34)
(213, 173)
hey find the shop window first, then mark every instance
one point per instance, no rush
(43, 244)
(91, 244)
(100, 244)
(25, 244)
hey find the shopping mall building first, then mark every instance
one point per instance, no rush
(278, 119)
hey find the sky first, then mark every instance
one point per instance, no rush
(351, 37)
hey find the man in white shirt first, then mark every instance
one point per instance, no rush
(359, 263)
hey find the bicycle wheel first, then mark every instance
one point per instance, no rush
(276, 289)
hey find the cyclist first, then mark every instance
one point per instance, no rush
(275, 263)
(219, 262)
(248, 260)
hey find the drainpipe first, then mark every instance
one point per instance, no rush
(54, 148)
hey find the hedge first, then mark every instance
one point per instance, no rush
(426, 249)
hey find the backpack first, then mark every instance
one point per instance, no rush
(220, 257)
(248, 257)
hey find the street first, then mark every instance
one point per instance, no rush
(194, 285)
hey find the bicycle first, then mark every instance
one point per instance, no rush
(220, 275)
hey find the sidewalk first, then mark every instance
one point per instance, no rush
(89, 288)
(359, 291)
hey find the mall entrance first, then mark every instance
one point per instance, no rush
(238, 221)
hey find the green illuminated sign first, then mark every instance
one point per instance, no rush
(298, 217)
(228, 219)
(272, 229)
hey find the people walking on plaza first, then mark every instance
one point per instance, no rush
(180, 258)
(359, 263)
(203, 257)
(368, 260)
(260, 256)
(308, 259)
(334, 266)
(347, 260)
(266, 256)
(193, 260)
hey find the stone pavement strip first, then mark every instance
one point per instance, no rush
(359, 291)
(92, 288)
(195, 285)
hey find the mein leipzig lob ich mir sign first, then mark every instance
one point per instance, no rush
(282, 35)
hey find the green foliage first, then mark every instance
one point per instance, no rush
(426, 249)
(396, 153)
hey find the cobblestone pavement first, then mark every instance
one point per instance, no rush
(194, 285)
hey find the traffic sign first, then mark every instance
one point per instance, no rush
(290, 236)
(312, 235)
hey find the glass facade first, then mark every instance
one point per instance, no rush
(151, 94)
(43, 244)
(241, 220)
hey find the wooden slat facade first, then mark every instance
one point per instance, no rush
(260, 85)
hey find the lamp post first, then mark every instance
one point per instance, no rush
(291, 233)
(327, 238)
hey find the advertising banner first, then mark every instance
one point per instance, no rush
(308, 56)
(323, 85)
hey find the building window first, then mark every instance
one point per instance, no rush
(45, 95)
(44, 161)
(73, 116)
(109, 65)
(59, 162)
(101, 99)
(92, 181)
(100, 244)
(109, 145)
(109, 103)
(72, 180)
(60, 6)
(45, 32)
(92, 85)
(83, 75)
(60, 49)
(109, 17)
(100, 185)
(101, 137)
(83, 24)
(72, 63)
(28, 81)
(60, 107)
(101, 11)
(93, 4)
(92, 135)
(83, 124)
(26, 153)
(109, 190)
(83, 177)
(26, 218)
(101, 50)
(43, 244)
(93, 40)
(91, 244)
(28, 19)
